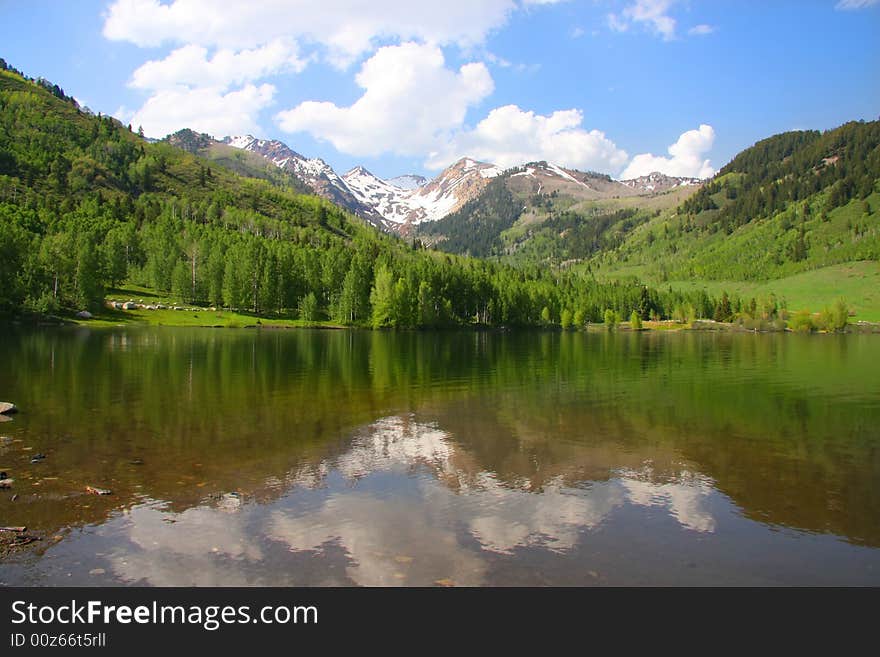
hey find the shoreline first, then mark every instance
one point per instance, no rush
(141, 318)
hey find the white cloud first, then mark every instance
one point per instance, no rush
(855, 4)
(577, 32)
(411, 102)
(191, 66)
(686, 157)
(392, 116)
(207, 109)
(701, 30)
(348, 28)
(509, 136)
(654, 14)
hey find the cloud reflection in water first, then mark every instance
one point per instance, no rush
(405, 506)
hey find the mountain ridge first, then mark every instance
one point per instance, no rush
(402, 203)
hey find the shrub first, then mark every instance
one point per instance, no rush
(839, 316)
(611, 319)
(801, 322)
(635, 322)
(45, 304)
(565, 319)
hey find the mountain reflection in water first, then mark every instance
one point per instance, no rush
(316, 458)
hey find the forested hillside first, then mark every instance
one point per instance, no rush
(86, 204)
(540, 214)
(791, 203)
(237, 160)
(476, 227)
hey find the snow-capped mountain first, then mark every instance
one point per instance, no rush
(409, 181)
(546, 177)
(659, 182)
(402, 202)
(429, 201)
(397, 203)
(315, 172)
(389, 200)
(455, 186)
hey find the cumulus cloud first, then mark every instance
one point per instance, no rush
(392, 116)
(509, 136)
(411, 102)
(686, 157)
(855, 4)
(191, 66)
(348, 28)
(653, 14)
(207, 109)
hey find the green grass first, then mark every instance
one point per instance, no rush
(662, 250)
(203, 317)
(857, 282)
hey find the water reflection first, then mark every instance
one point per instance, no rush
(395, 508)
(310, 458)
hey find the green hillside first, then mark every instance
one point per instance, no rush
(548, 218)
(87, 206)
(795, 216)
(794, 203)
(242, 162)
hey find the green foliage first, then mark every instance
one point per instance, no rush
(85, 204)
(724, 310)
(802, 322)
(793, 166)
(792, 203)
(475, 228)
(635, 321)
(611, 319)
(836, 317)
(565, 319)
(308, 308)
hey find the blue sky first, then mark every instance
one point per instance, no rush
(619, 86)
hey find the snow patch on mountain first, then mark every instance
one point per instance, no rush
(390, 201)
(427, 201)
(409, 181)
(314, 172)
(658, 182)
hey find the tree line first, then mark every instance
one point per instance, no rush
(86, 204)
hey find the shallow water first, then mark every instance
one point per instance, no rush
(247, 457)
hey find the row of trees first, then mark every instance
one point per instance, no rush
(51, 261)
(86, 204)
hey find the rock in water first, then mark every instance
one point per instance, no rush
(7, 408)
(84, 314)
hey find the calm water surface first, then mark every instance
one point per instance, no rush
(245, 457)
